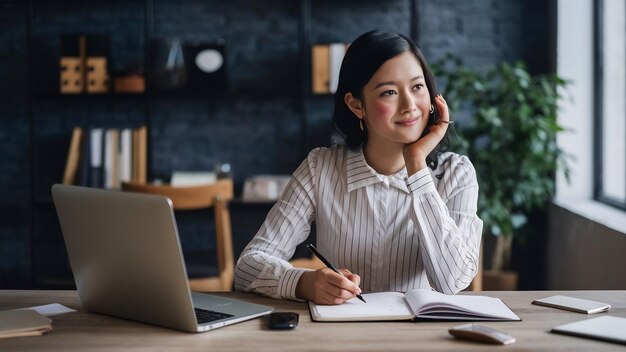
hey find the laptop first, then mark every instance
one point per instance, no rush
(127, 261)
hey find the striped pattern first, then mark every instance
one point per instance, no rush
(397, 232)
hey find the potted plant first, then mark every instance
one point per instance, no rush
(507, 126)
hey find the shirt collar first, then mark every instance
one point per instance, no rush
(360, 174)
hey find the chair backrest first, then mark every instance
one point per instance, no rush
(307, 263)
(217, 196)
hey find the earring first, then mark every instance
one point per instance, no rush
(432, 109)
(361, 124)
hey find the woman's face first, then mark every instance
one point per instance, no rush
(396, 101)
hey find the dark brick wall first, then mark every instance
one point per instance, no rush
(14, 147)
(486, 31)
(258, 124)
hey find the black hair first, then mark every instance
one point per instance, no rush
(362, 59)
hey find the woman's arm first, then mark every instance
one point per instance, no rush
(262, 266)
(447, 225)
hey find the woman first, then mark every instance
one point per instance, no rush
(389, 205)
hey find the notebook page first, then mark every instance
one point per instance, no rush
(427, 302)
(379, 306)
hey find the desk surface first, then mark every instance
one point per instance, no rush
(87, 331)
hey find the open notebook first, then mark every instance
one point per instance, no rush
(415, 304)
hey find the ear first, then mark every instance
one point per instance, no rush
(354, 104)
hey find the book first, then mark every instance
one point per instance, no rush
(23, 322)
(573, 304)
(418, 304)
(71, 164)
(125, 158)
(336, 52)
(320, 66)
(111, 159)
(84, 158)
(96, 168)
(605, 328)
(191, 178)
(105, 157)
(142, 159)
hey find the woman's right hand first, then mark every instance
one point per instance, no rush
(415, 153)
(324, 286)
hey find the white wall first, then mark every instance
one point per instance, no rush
(575, 63)
(586, 240)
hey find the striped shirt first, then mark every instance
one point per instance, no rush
(396, 232)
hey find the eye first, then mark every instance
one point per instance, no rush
(388, 92)
(418, 86)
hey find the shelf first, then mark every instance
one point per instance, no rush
(291, 90)
(226, 94)
(83, 96)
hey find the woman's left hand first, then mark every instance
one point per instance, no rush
(415, 153)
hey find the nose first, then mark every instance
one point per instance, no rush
(408, 103)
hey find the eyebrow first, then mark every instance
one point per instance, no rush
(391, 83)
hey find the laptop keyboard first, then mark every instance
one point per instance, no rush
(206, 316)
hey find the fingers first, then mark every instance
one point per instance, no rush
(443, 108)
(327, 298)
(352, 277)
(345, 283)
(334, 288)
(338, 295)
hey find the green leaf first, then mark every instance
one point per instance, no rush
(509, 133)
(518, 220)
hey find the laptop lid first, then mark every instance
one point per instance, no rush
(127, 260)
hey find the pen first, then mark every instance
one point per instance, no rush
(311, 247)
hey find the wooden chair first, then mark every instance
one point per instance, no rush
(307, 263)
(215, 196)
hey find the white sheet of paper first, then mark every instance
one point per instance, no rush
(51, 309)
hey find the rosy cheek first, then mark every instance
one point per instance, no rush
(382, 108)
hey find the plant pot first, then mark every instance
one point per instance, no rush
(497, 280)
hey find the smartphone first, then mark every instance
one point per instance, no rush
(283, 320)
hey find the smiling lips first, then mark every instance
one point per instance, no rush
(408, 122)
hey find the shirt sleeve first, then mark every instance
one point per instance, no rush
(446, 222)
(263, 266)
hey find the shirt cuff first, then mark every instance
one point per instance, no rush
(420, 182)
(288, 282)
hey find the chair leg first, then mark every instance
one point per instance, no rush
(477, 283)
(224, 243)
